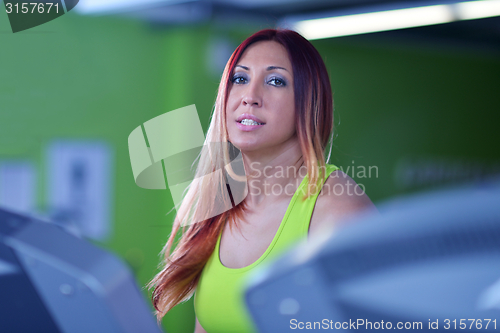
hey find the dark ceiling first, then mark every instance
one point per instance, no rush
(482, 33)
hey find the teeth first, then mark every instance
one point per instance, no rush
(250, 122)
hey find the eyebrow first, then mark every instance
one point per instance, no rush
(269, 68)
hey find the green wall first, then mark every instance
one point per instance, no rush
(432, 105)
(101, 77)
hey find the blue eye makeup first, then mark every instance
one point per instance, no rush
(276, 81)
(239, 78)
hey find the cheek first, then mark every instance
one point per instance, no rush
(230, 118)
(291, 126)
(230, 106)
(290, 117)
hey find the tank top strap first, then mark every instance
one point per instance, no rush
(298, 219)
(219, 301)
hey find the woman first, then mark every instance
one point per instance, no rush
(275, 105)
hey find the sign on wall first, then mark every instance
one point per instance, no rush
(79, 186)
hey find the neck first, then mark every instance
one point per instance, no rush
(273, 175)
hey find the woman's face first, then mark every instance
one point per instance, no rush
(260, 111)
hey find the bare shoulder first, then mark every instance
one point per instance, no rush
(340, 197)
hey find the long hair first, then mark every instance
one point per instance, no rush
(198, 215)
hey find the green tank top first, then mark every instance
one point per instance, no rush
(219, 303)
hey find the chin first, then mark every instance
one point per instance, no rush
(246, 146)
(243, 143)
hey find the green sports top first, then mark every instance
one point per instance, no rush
(219, 302)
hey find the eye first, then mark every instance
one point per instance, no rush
(238, 79)
(276, 81)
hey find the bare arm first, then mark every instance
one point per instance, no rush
(198, 328)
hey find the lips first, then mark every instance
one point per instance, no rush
(248, 122)
(249, 116)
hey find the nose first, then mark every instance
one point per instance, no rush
(252, 95)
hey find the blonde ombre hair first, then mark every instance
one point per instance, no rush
(198, 216)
